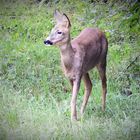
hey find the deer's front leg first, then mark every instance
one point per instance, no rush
(75, 89)
(88, 88)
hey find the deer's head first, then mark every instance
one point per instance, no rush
(60, 34)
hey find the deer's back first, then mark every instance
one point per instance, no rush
(91, 44)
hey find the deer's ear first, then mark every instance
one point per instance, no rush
(58, 16)
(62, 19)
(66, 21)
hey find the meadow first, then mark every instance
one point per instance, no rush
(34, 94)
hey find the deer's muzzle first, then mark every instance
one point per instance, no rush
(48, 42)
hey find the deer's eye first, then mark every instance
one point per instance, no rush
(59, 32)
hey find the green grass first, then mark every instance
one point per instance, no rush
(35, 95)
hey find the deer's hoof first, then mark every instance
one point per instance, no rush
(74, 118)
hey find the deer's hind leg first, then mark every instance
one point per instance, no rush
(102, 72)
(88, 88)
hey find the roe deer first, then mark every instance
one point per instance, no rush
(78, 56)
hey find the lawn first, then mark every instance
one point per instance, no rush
(34, 94)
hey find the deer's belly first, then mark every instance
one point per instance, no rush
(89, 65)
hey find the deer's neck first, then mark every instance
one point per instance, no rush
(67, 55)
(66, 49)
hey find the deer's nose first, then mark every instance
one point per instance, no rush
(48, 42)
